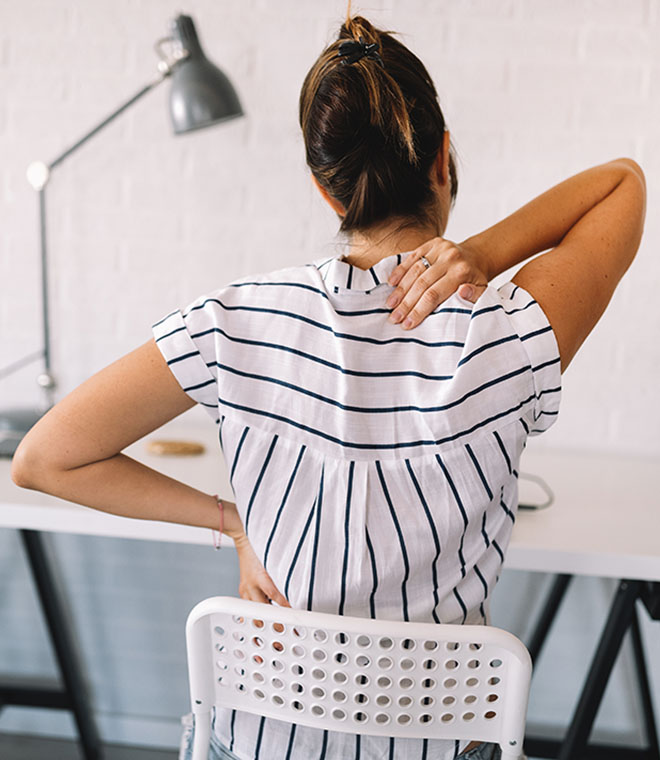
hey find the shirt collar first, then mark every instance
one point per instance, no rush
(339, 275)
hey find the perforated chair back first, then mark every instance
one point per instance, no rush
(357, 675)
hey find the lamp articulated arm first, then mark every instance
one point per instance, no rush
(38, 174)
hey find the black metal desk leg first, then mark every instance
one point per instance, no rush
(60, 635)
(645, 692)
(548, 614)
(618, 622)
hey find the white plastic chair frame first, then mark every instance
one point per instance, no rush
(356, 675)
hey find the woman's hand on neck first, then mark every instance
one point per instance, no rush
(369, 247)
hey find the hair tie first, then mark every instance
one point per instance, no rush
(352, 51)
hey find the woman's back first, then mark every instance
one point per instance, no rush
(375, 470)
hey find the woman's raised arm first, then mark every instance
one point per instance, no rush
(593, 224)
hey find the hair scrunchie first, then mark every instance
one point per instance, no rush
(352, 51)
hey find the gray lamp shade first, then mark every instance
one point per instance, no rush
(200, 93)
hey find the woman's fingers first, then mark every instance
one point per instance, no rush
(421, 286)
(264, 590)
(423, 291)
(400, 270)
(272, 592)
(471, 292)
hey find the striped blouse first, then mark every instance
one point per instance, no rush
(375, 469)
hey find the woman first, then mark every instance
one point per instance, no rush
(374, 467)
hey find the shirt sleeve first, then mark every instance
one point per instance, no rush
(186, 340)
(538, 340)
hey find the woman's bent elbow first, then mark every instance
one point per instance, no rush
(27, 469)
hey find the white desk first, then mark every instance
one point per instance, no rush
(603, 522)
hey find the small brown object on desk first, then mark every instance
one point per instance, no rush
(175, 448)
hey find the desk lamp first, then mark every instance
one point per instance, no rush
(201, 95)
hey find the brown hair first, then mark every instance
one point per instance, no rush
(372, 130)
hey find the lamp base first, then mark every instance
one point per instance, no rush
(14, 424)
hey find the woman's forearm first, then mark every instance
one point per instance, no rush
(122, 486)
(544, 221)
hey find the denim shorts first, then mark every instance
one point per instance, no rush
(218, 751)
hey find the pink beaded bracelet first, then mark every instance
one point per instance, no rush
(218, 541)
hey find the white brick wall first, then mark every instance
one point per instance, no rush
(141, 221)
(533, 91)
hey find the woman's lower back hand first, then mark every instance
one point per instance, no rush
(420, 289)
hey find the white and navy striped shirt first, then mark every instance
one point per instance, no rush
(375, 469)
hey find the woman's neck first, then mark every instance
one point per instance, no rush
(368, 248)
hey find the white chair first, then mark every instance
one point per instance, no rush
(356, 675)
